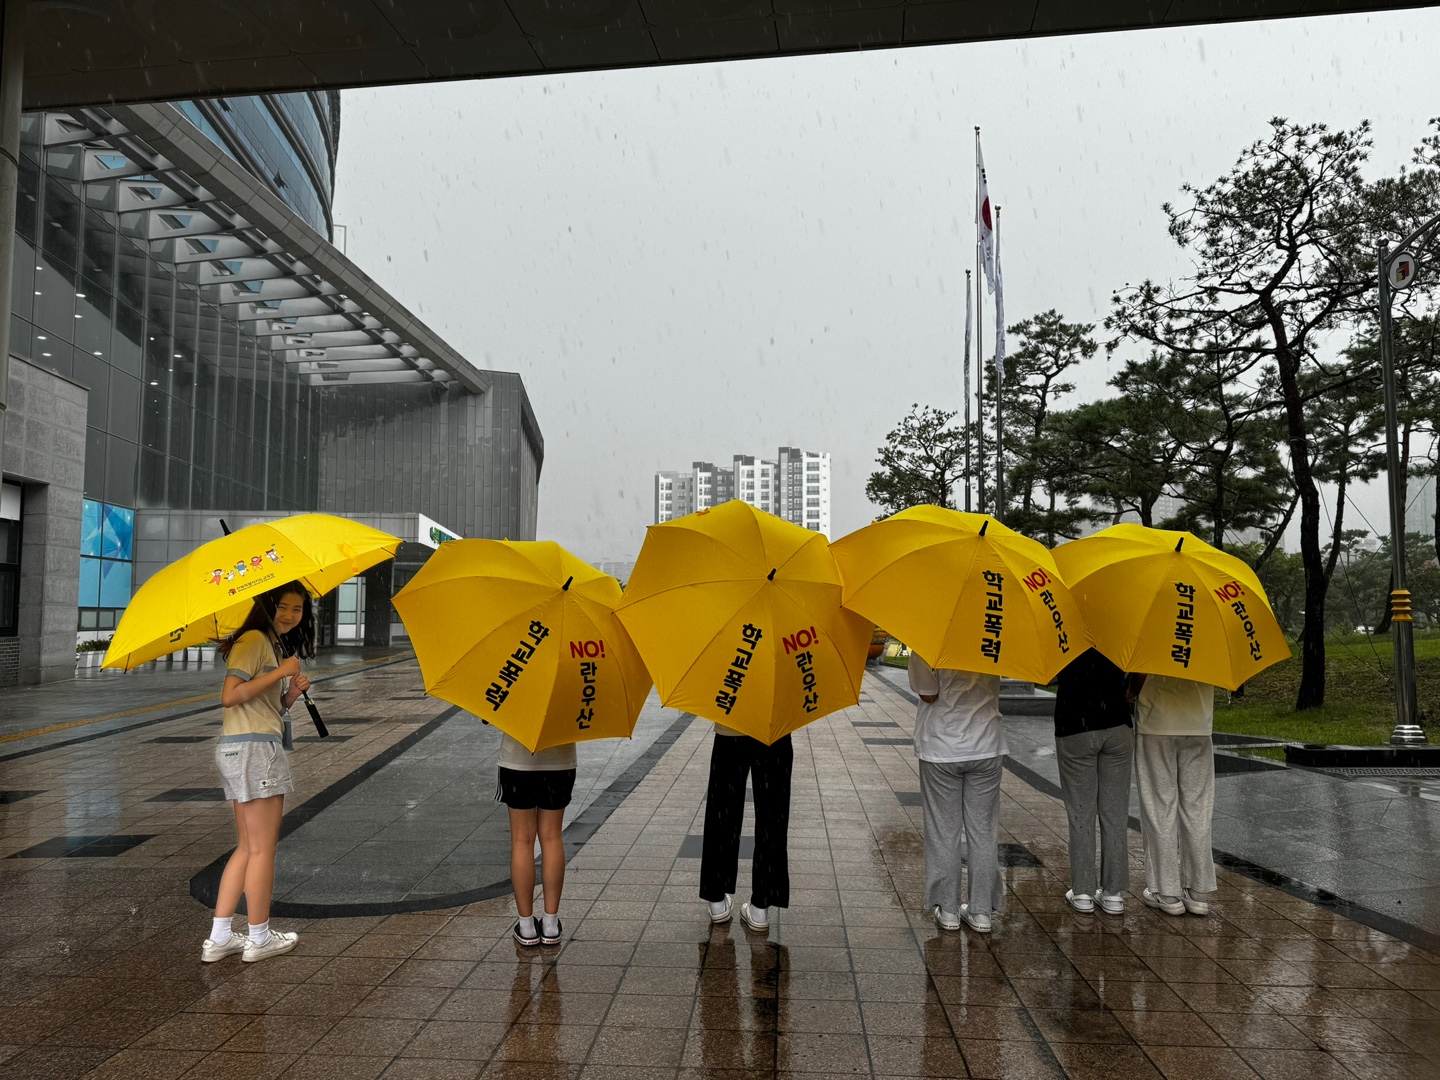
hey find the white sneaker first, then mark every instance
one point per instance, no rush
(1171, 905)
(1081, 902)
(977, 922)
(1111, 903)
(947, 920)
(273, 945)
(759, 925)
(720, 910)
(210, 952)
(1195, 905)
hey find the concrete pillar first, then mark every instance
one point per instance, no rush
(379, 587)
(12, 68)
(326, 616)
(45, 450)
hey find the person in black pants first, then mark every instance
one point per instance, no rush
(1094, 746)
(733, 757)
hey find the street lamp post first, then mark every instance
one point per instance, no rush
(1399, 262)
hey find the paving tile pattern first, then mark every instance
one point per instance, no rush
(99, 974)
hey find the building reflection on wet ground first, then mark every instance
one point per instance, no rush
(107, 829)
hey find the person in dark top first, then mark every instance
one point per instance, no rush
(1094, 746)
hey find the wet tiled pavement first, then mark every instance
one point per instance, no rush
(99, 973)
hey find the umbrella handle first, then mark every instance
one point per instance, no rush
(320, 728)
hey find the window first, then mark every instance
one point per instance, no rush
(812, 466)
(106, 550)
(199, 119)
(9, 559)
(350, 610)
(812, 502)
(125, 349)
(130, 281)
(54, 302)
(812, 489)
(60, 231)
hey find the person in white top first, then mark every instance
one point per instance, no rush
(1175, 780)
(537, 789)
(961, 748)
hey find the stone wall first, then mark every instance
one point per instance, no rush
(9, 661)
(45, 453)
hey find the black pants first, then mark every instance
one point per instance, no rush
(732, 758)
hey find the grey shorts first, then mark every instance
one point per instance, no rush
(253, 770)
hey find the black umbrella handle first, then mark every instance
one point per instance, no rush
(320, 728)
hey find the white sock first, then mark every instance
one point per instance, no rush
(527, 926)
(259, 932)
(220, 930)
(551, 924)
(759, 914)
(717, 907)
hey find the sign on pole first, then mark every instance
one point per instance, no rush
(1402, 270)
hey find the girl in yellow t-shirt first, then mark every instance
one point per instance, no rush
(262, 681)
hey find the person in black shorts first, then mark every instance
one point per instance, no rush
(536, 788)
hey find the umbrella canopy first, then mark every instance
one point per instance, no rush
(523, 634)
(207, 594)
(964, 592)
(737, 613)
(1167, 603)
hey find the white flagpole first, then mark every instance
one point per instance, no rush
(980, 318)
(999, 377)
(968, 316)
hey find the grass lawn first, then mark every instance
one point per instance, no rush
(1359, 705)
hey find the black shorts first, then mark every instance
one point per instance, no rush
(526, 790)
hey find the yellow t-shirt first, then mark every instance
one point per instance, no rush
(252, 656)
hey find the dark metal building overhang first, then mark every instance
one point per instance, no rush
(96, 52)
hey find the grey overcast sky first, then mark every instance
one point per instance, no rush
(690, 262)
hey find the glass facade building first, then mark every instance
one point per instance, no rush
(197, 399)
(188, 410)
(289, 140)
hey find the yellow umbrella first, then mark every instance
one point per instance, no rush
(1167, 603)
(964, 592)
(737, 613)
(523, 634)
(207, 594)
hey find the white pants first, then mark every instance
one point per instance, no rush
(962, 799)
(1175, 779)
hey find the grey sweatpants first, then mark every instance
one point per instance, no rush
(1095, 780)
(1175, 779)
(962, 798)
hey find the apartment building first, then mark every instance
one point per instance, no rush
(795, 486)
